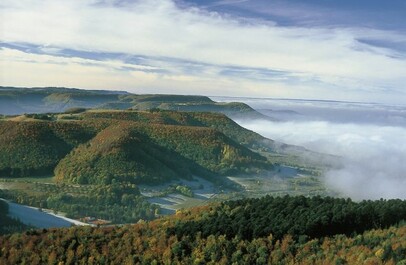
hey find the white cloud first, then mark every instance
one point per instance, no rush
(161, 29)
(33, 70)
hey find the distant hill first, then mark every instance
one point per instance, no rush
(50, 99)
(16, 101)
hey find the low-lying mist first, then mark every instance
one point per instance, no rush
(374, 157)
(372, 144)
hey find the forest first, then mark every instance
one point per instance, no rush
(298, 216)
(131, 146)
(161, 241)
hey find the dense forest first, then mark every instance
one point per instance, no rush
(368, 241)
(131, 146)
(216, 121)
(33, 148)
(312, 217)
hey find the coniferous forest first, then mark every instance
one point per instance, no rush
(284, 230)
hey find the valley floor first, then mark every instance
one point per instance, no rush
(170, 197)
(281, 181)
(202, 189)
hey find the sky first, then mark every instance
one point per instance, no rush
(316, 49)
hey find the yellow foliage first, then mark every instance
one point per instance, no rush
(379, 253)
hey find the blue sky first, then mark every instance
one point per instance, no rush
(314, 49)
(361, 13)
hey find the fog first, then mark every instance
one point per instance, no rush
(370, 138)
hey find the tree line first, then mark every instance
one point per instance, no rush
(299, 216)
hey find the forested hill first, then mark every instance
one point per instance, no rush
(95, 147)
(312, 217)
(285, 230)
(15, 101)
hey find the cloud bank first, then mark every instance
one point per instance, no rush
(314, 62)
(373, 156)
(373, 151)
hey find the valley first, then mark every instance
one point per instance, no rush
(154, 160)
(162, 182)
(194, 132)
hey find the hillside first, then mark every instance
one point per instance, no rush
(87, 159)
(139, 147)
(312, 217)
(276, 152)
(216, 121)
(127, 151)
(368, 241)
(31, 148)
